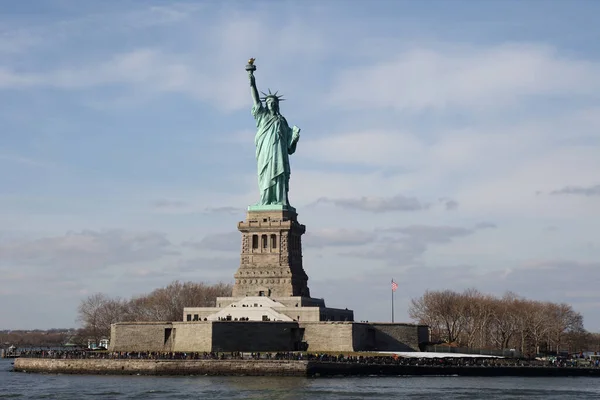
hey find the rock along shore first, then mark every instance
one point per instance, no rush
(277, 368)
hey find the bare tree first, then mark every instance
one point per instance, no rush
(89, 314)
(474, 319)
(444, 309)
(473, 312)
(451, 308)
(421, 310)
(538, 322)
(34, 338)
(485, 310)
(166, 304)
(505, 322)
(97, 312)
(563, 319)
(578, 341)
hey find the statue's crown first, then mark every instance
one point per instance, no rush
(272, 96)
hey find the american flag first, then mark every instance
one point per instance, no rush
(394, 286)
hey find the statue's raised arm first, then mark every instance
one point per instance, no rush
(253, 90)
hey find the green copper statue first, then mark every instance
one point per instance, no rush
(274, 141)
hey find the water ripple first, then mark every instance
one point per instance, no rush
(16, 385)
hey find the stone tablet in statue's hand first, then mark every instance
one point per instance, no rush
(295, 133)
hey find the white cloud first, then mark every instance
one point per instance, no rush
(405, 245)
(225, 210)
(464, 76)
(17, 41)
(87, 250)
(206, 70)
(169, 204)
(337, 237)
(514, 190)
(378, 204)
(208, 269)
(488, 167)
(437, 234)
(396, 148)
(449, 204)
(11, 79)
(160, 15)
(176, 206)
(147, 68)
(579, 190)
(227, 242)
(25, 161)
(308, 186)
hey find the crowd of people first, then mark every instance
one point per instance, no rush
(306, 356)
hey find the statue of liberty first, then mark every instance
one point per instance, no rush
(274, 141)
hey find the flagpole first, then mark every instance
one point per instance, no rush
(392, 287)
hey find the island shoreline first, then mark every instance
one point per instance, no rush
(298, 368)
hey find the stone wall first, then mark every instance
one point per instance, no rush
(363, 337)
(193, 336)
(328, 336)
(337, 314)
(351, 336)
(424, 334)
(266, 336)
(398, 337)
(205, 336)
(201, 312)
(299, 301)
(141, 336)
(290, 301)
(255, 336)
(301, 313)
(163, 367)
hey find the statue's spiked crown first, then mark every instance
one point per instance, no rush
(272, 96)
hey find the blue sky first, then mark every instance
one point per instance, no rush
(446, 144)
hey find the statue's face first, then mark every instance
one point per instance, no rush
(272, 104)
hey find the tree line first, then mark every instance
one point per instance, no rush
(467, 319)
(476, 320)
(97, 312)
(35, 338)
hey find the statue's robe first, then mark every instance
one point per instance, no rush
(274, 143)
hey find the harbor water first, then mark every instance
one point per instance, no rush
(18, 385)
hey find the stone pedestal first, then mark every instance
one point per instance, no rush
(271, 256)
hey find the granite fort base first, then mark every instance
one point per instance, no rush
(271, 308)
(257, 336)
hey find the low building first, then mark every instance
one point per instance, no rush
(262, 308)
(101, 344)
